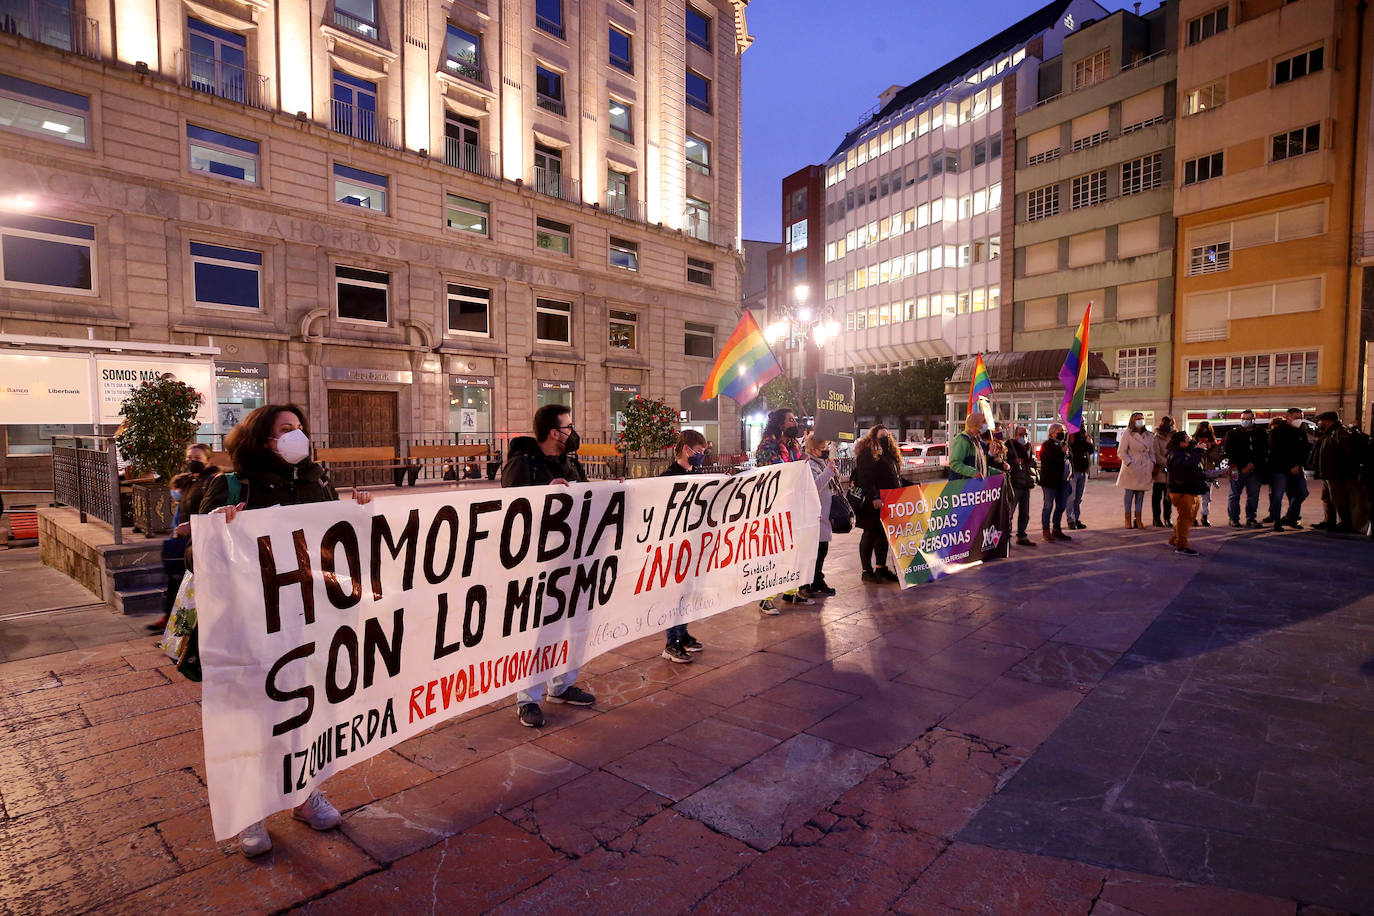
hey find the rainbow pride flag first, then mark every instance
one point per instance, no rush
(746, 363)
(1074, 375)
(981, 388)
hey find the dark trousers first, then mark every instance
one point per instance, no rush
(818, 580)
(1250, 483)
(873, 548)
(1077, 482)
(1022, 498)
(1056, 500)
(1159, 500)
(677, 633)
(1295, 485)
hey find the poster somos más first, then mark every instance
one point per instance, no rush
(330, 632)
(935, 529)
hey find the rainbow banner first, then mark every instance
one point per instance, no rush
(746, 363)
(981, 388)
(938, 529)
(1074, 375)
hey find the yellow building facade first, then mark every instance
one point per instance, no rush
(1265, 316)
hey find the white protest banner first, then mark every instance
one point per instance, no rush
(332, 631)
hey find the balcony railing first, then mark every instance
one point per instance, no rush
(364, 124)
(551, 104)
(354, 24)
(698, 227)
(209, 74)
(556, 184)
(468, 69)
(621, 205)
(548, 25)
(470, 158)
(1364, 245)
(49, 24)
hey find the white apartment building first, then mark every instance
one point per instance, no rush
(915, 220)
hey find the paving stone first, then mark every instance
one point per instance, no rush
(965, 667)
(1127, 894)
(84, 878)
(1063, 665)
(810, 880)
(724, 742)
(588, 812)
(1013, 712)
(888, 720)
(732, 683)
(421, 816)
(669, 863)
(465, 874)
(302, 865)
(616, 733)
(377, 777)
(454, 745)
(670, 771)
(976, 879)
(775, 793)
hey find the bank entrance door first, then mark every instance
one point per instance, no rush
(359, 419)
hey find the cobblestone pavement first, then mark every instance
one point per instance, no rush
(1100, 727)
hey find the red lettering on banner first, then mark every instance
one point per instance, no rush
(415, 711)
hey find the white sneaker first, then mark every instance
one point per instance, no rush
(254, 840)
(767, 607)
(317, 812)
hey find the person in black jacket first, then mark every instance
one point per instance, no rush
(188, 489)
(1246, 449)
(1081, 449)
(876, 463)
(270, 451)
(1187, 483)
(547, 458)
(1054, 485)
(1288, 452)
(1021, 473)
(688, 455)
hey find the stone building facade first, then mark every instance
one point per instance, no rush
(1094, 219)
(415, 219)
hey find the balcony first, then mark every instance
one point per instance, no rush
(698, 227)
(621, 205)
(55, 26)
(556, 184)
(1364, 247)
(208, 74)
(363, 124)
(355, 25)
(470, 158)
(551, 104)
(548, 25)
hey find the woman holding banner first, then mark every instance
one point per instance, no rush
(780, 443)
(876, 464)
(824, 472)
(270, 451)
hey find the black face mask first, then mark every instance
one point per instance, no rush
(825, 453)
(791, 432)
(195, 466)
(572, 442)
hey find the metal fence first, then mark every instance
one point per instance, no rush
(87, 479)
(51, 24)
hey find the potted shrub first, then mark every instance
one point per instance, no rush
(159, 422)
(650, 427)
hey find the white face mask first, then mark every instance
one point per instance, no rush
(1295, 423)
(294, 447)
(1024, 440)
(1247, 423)
(1139, 424)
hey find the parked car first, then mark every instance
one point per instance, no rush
(923, 456)
(1107, 457)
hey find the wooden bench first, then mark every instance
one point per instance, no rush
(23, 525)
(601, 460)
(358, 459)
(443, 458)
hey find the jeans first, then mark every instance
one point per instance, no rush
(873, 549)
(1186, 504)
(1159, 501)
(555, 684)
(1295, 485)
(1207, 500)
(1056, 500)
(1250, 483)
(1137, 497)
(1077, 482)
(1022, 510)
(817, 580)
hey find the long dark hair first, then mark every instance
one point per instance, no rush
(776, 418)
(247, 442)
(876, 446)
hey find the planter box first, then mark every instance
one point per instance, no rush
(152, 505)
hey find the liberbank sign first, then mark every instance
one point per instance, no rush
(58, 388)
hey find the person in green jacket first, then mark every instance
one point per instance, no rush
(968, 457)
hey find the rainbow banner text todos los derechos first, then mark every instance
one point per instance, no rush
(330, 632)
(936, 528)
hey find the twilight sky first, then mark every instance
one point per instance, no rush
(812, 72)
